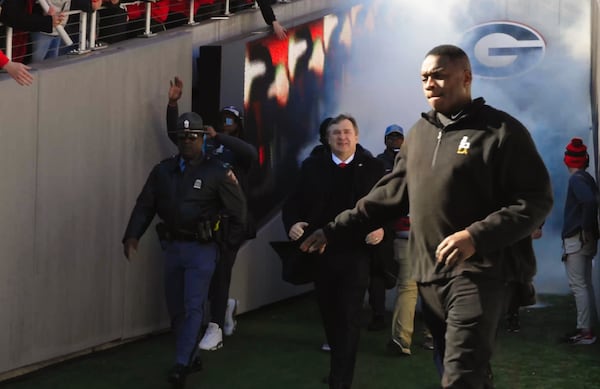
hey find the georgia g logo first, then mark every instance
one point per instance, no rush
(503, 49)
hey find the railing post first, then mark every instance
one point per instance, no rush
(94, 44)
(93, 31)
(82, 48)
(9, 36)
(83, 32)
(225, 15)
(147, 32)
(191, 20)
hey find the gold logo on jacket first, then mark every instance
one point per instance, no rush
(463, 146)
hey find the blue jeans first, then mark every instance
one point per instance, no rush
(44, 46)
(189, 267)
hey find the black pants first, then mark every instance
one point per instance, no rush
(340, 286)
(463, 314)
(218, 293)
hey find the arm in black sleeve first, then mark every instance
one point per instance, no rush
(524, 183)
(244, 152)
(15, 15)
(172, 115)
(234, 204)
(267, 11)
(386, 201)
(144, 210)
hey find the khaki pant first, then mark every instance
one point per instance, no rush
(403, 321)
(578, 266)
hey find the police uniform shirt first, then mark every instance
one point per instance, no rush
(183, 198)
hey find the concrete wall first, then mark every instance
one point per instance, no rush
(75, 150)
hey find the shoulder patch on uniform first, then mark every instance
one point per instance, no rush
(198, 184)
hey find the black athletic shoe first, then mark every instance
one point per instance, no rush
(177, 375)
(512, 323)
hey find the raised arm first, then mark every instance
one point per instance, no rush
(175, 92)
(244, 152)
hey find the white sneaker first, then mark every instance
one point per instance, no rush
(230, 322)
(212, 339)
(325, 347)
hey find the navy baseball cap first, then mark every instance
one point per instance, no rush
(233, 110)
(394, 128)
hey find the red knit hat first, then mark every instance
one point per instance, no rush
(576, 155)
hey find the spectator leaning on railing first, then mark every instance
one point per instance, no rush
(270, 19)
(18, 15)
(46, 45)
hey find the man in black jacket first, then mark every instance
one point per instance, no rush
(191, 195)
(329, 183)
(478, 189)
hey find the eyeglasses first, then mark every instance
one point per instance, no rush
(188, 135)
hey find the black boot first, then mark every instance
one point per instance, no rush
(177, 376)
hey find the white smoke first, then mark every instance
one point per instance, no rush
(390, 40)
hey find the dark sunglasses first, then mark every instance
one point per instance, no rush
(188, 135)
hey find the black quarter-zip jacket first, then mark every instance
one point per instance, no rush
(480, 172)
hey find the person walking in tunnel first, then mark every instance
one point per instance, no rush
(478, 188)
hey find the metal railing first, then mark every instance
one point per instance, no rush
(88, 32)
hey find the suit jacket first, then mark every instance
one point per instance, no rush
(312, 200)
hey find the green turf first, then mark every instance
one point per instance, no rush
(278, 347)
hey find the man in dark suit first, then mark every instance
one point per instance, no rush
(329, 183)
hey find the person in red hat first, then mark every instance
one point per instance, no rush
(580, 237)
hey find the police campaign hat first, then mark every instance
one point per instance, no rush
(190, 121)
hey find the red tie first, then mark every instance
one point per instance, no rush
(342, 164)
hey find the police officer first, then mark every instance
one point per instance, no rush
(201, 205)
(225, 143)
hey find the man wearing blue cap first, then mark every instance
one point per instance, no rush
(403, 317)
(393, 138)
(382, 265)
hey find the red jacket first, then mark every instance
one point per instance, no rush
(3, 59)
(183, 6)
(159, 11)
